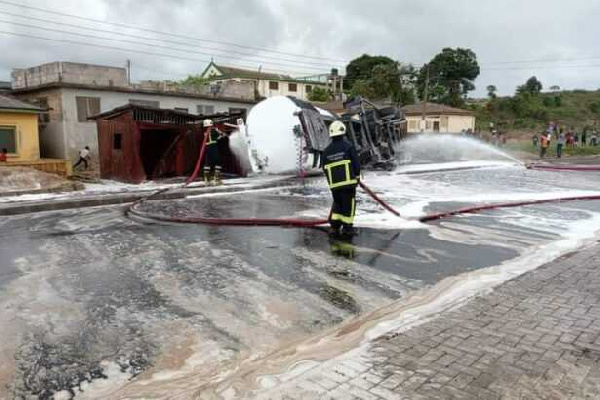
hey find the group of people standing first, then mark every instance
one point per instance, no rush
(569, 139)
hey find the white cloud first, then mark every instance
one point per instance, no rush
(411, 31)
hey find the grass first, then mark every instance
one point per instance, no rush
(527, 147)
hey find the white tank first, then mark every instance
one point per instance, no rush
(272, 146)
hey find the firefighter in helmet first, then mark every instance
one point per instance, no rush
(212, 163)
(342, 169)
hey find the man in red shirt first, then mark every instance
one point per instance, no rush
(3, 155)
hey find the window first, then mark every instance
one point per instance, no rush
(292, 87)
(145, 103)
(273, 85)
(87, 107)
(308, 89)
(243, 111)
(205, 110)
(185, 110)
(118, 141)
(8, 138)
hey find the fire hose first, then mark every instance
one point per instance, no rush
(551, 167)
(306, 223)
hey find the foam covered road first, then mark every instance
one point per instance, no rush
(97, 305)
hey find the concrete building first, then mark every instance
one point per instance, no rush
(269, 84)
(74, 92)
(19, 134)
(438, 118)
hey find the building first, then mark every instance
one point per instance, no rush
(19, 134)
(438, 118)
(269, 84)
(138, 143)
(74, 92)
(5, 87)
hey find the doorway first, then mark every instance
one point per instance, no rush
(153, 144)
(436, 126)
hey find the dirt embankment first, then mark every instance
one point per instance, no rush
(17, 180)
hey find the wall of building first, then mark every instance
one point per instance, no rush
(67, 72)
(447, 123)
(28, 142)
(301, 93)
(81, 134)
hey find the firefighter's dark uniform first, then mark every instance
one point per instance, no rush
(213, 159)
(342, 169)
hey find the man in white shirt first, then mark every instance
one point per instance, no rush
(84, 156)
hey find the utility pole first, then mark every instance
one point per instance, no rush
(424, 102)
(128, 72)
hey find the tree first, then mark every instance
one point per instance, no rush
(555, 88)
(449, 76)
(491, 89)
(318, 94)
(533, 87)
(361, 68)
(392, 82)
(193, 80)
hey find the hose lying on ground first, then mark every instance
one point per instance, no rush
(555, 167)
(475, 209)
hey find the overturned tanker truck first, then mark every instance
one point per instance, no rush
(284, 134)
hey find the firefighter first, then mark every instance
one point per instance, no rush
(212, 163)
(342, 169)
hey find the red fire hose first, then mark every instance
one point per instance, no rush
(555, 167)
(304, 223)
(475, 209)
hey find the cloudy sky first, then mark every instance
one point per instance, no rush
(513, 39)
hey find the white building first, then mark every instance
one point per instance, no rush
(268, 84)
(73, 92)
(438, 118)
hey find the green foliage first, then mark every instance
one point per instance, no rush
(557, 101)
(193, 80)
(533, 87)
(387, 81)
(450, 74)
(318, 94)
(491, 89)
(532, 112)
(362, 67)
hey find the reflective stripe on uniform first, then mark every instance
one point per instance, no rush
(345, 182)
(345, 218)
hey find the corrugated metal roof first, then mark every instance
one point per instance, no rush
(11, 104)
(434, 108)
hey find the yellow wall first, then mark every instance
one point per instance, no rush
(28, 139)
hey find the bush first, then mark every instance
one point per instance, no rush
(558, 101)
(548, 102)
(595, 107)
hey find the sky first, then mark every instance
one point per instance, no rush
(555, 41)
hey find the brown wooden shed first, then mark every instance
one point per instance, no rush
(138, 143)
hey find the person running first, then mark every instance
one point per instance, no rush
(84, 156)
(342, 168)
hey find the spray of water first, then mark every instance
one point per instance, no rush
(436, 148)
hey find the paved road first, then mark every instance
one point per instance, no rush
(535, 337)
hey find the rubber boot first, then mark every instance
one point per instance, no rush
(217, 178)
(207, 177)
